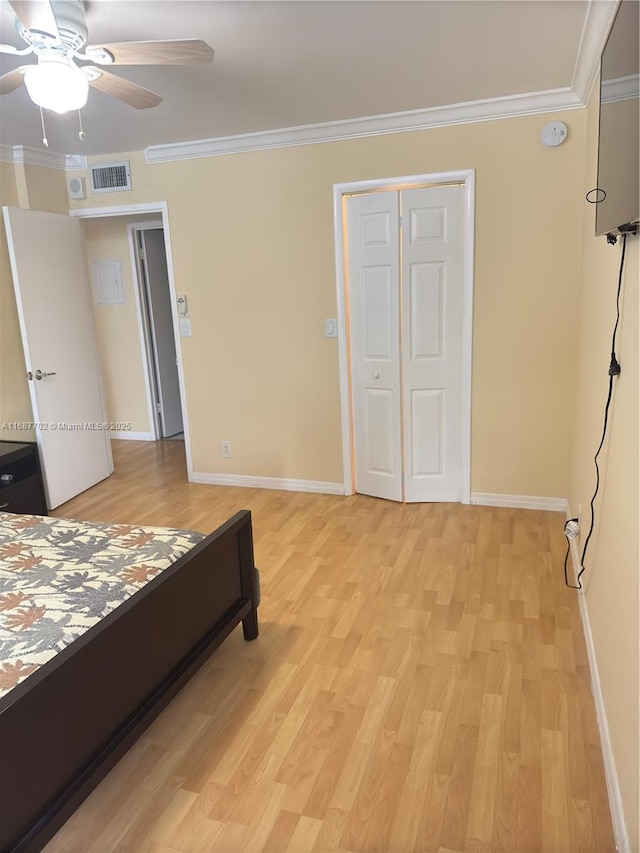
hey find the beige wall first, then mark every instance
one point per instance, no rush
(14, 393)
(117, 328)
(612, 563)
(46, 189)
(252, 238)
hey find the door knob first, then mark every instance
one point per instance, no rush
(39, 374)
(376, 375)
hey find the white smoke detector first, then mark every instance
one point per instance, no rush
(554, 133)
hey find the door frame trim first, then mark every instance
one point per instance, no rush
(162, 208)
(465, 177)
(143, 323)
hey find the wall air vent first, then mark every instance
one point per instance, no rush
(110, 177)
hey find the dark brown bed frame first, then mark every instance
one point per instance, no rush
(67, 725)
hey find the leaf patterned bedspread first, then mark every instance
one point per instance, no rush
(59, 577)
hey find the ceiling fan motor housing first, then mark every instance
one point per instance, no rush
(72, 25)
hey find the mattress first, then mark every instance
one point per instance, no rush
(59, 577)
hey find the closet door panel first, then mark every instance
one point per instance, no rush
(431, 319)
(374, 306)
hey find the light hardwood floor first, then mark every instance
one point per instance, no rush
(420, 683)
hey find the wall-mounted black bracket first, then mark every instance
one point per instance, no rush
(629, 228)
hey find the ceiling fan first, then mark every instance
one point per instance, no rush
(56, 33)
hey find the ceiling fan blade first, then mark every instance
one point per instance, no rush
(36, 15)
(169, 52)
(11, 80)
(124, 90)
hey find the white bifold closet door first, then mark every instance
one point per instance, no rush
(405, 282)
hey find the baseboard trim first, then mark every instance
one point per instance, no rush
(616, 807)
(620, 832)
(285, 485)
(127, 435)
(519, 501)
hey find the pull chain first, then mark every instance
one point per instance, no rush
(81, 135)
(45, 141)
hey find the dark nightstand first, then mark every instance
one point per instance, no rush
(21, 487)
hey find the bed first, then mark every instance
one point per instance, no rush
(112, 649)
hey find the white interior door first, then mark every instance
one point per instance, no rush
(373, 272)
(405, 283)
(56, 322)
(432, 297)
(154, 265)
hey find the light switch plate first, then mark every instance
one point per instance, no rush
(185, 327)
(183, 305)
(331, 328)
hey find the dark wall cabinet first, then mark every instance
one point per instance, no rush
(21, 487)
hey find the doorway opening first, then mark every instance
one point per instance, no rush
(158, 318)
(150, 264)
(404, 346)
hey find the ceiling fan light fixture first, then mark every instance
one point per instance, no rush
(58, 85)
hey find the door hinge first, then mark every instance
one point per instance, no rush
(158, 408)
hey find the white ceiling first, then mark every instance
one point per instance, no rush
(286, 64)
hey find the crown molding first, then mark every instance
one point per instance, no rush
(76, 163)
(595, 32)
(21, 154)
(620, 89)
(465, 113)
(6, 154)
(38, 157)
(597, 24)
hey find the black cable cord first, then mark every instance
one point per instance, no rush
(566, 559)
(614, 370)
(615, 328)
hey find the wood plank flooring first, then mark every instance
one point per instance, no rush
(420, 684)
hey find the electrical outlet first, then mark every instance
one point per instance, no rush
(225, 449)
